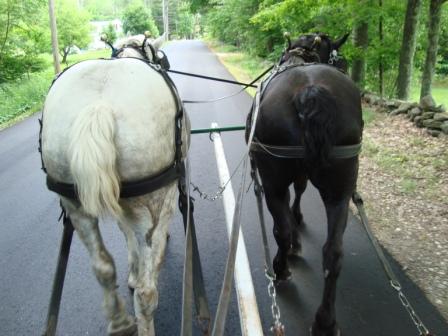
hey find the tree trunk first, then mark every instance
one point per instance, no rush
(360, 41)
(408, 48)
(54, 37)
(64, 53)
(380, 64)
(435, 11)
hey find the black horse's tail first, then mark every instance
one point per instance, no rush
(316, 109)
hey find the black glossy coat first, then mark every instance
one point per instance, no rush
(316, 106)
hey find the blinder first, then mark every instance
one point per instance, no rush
(158, 57)
(311, 55)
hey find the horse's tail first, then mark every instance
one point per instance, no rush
(92, 157)
(316, 108)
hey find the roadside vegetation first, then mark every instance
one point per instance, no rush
(26, 69)
(23, 97)
(397, 49)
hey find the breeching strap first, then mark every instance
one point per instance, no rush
(298, 152)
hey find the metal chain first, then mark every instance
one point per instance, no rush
(406, 304)
(278, 329)
(207, 197)
(218, 194)
(395, 284)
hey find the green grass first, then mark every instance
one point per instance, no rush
(368, 115)
(439, 92)
(25, 96)
(242, 66)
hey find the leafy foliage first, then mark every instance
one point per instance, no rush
(138, 19)
(110, 33)
(73, 27)
(258, 26)
(23, 36)
(185, 21)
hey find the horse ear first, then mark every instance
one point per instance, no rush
(338, 43)
(157, 43)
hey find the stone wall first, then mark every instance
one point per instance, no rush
(426, 114)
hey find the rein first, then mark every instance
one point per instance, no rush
(164, 64)
(251, 84)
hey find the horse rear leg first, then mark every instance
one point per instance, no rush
(149, 217)
(120, 323)
(299, 188)
(325, 320)
(277, 200)
(132, 245)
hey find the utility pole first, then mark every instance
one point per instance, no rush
(54, 37)
(166, 25)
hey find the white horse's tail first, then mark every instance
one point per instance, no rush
(92, 157)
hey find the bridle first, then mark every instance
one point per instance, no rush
(140, 49)
(310, 54)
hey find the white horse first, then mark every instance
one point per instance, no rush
(104, 122)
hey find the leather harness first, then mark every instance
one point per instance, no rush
(293, 152)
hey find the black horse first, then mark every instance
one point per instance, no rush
(309, 127)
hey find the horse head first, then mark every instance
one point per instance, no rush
(315, 47)
(139, 46)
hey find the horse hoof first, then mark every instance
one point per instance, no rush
(315, 330)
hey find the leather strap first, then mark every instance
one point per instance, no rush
(128, 189)
(298, 152)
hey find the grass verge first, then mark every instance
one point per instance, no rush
(439, 92)
(25, 96)
(243, 67)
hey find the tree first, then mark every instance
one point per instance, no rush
(184, 21)
(360, 41)
(408, 48)
(435, 11)
(110, 33)
(73, 27)
(24, 34)
(138, 19)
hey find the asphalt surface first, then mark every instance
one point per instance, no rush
(30, 234)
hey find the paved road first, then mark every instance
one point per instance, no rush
(29, 238)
